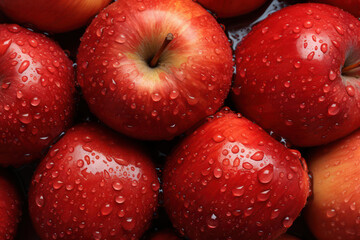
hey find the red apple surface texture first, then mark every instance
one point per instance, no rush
(298, 73)
(334, 211)
(36, 94)
(52, 16)
(10, 207)
(231, 180)
(190, 81)
(231, 8)
(352, 6)
(93, 184)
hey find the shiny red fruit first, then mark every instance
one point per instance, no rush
(53, 16)
(93, 184)
(334, 211)
(231, 8)
(352, 6)
(36, 94)
(10, 207)
(231, 180)
(298, 73)
(189, 82)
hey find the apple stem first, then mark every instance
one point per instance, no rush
(350, 68)
(155, 59)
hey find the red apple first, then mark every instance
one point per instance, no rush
(334, 211)
(151, 69)
(231, 8)
(93, 184)
(10, 207)
(36, 94)
(53, 16)
(298, 73)
(231, 180)
(352, 6)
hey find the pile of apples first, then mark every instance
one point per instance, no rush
(163, 119)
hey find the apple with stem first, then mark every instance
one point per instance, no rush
(10, 207)
(298, 73)
(231, 8)
(334, 211)
(53, 16)
(152, 69)
(352, 6)
(37, 91)
(93, 184)
(229, 179)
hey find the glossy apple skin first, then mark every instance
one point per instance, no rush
(53, 16)
(289, 74)
(10, 207)
(352, 6)
(37, 91)
(334, 211)
(231, 8)
(231, 180)
(191, 81)
(98, 184)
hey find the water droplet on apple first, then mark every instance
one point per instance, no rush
(128, 224)
(35, 101)
(287, 222)
(40, 201)
(333, 109)
(106, 209)
(350, 90)
(258, 156)
(238, 191)
(266, 174)
(331, 213)
(24, 65)
(212, 221)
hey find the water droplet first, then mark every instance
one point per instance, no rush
(174, 94)
(258, 156)
(24, 65)
(324, 47)
(212, 221)
(4, 46)
(217, 172)
(287, 222)
(40, 201)
(120, 199)
(117, 186)
(331, 213)
(57, 184)
(332, 75)
(350, 90)
(333, 109)
(263, 196)
(156, 97)
(128, 224)
(25, 118)
(308, 24)
(35, 101)
(238, 191)
(218, 138)
(121, 39)
(106, 209)
(266, 174)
